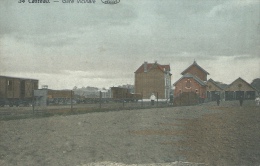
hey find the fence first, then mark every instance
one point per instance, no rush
(76, 105)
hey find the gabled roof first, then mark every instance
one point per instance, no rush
(188, 75)
(195, 64)
(151, 66)
(220, 86)
(239, 78)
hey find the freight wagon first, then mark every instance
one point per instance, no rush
(59, 96)
(17, 91)
(122, 94)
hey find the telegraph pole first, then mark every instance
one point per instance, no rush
(157, 98)
(100, 98)
(71, 104)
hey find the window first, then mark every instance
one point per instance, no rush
(188, 84)
(10, 85)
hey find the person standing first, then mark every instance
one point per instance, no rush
(241, 100)
(152, 99)
(171, 98)
(218, 99)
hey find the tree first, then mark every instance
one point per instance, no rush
(256, 84)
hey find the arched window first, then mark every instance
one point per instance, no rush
(188, 84)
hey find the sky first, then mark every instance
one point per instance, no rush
(102, 45)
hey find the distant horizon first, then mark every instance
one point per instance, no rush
(90, 44)
(116, 85)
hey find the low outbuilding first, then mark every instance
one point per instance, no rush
(240, 88)
(215, 89)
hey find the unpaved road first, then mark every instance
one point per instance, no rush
(207, 134)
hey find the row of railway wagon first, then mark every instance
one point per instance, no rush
(17, 91)
(20, 92)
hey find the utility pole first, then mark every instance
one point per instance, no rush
(100, 98)
(71, 101)
(157, 98)
(33, 100)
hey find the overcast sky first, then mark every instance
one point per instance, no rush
(67, 45)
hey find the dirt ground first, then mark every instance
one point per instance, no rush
(190, 135)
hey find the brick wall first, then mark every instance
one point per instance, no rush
(150, 82)
(181, 87)
(197, 72)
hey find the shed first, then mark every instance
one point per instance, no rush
(215, 88)
(240, 88)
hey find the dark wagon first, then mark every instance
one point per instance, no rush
(123, 95)
(16, 91)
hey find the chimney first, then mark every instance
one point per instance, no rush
(145, 67)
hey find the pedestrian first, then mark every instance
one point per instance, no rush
(152, 99)
(241, 100)
(218, 99)
(171, 98)
(257, 101)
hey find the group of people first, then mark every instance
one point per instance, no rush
(241, 99)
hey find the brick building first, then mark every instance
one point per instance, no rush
(196, 70)
(153, 78)
(193, 80)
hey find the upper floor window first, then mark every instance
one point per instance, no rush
(188, 84)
